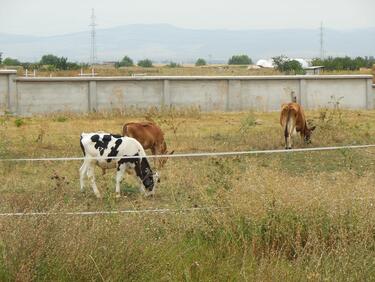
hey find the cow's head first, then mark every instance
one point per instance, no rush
(149, 178)
(308, 132)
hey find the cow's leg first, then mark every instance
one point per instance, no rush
(82, 174)
(119, 177)
(291, 133)
(91, 176)
(154, 151)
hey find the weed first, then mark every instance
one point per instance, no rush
(19, 122)
(247, 123)
(61, 119)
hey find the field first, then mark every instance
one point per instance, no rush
(298, 216)
(161, 70)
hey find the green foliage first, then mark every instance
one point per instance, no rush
(344, 63)
(173, 65)
(248, 122)
(1, 58)
(146, 63)
(19, 122)
(125, 62)
(11, 62)
(200, 62)
(240, 60)
(61, 119)
(284, 64)
(57, 63)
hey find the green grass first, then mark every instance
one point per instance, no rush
(300, 216)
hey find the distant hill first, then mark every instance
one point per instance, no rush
(166, 42)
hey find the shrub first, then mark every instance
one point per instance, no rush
(240, 60)
(11, 62)
(173, 65)
(200, 62)
(19, 121)
(344, 63)
(146, 63)
(125, 62)
(284, 64)
(57, 63)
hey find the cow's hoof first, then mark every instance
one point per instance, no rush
(118, 196)
(98, 196)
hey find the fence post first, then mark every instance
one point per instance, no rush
(92, 97)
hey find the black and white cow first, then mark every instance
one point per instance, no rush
(97, 147)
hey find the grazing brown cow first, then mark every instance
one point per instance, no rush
(292, 119)
(150, 136)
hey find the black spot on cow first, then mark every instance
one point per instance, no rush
(101, 145)
(117, 135)
(107, 138)
(142, 169)
(114, 149)
(95, 138)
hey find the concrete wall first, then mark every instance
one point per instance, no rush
(7, 91)
(261, 93)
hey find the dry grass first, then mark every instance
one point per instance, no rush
(188, 70)
(303, 216)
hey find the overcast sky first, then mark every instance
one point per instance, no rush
(50, 17)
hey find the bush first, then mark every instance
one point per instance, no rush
(145, 63)
(11, 62)
(240, 60)
(200, 62)
(173, 65)
(58, 63)
(284, 64)
(125, 62)
(344, 63)
(19, 122)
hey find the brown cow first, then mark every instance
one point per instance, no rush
(150, 136)
(292, 119)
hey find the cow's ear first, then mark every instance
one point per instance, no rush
(313, 128)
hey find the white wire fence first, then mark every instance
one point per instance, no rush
(197, 155)
(183, 155)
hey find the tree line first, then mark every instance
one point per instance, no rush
(344, 63)
(282, 63)
(47, 62)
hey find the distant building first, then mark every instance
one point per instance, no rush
(314, 70)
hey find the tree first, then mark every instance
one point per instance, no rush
(173, 65)
(344, 63)
(1, 58)
(11, 62)
(146, 63)
(49, 60)
(240, 60)
(125, 62)
(200, 62)
(284, 64)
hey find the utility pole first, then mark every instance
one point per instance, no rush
(93, 57)
(321, 41)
